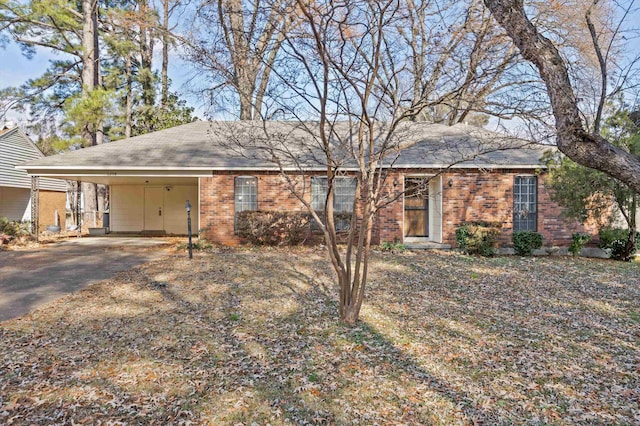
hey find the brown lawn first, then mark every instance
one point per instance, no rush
(250, 336)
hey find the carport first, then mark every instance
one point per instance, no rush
(146, 204)
(149, 180)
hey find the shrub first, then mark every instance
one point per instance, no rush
(14, 228)
(578, 240)
(273, 227)
(526, 241)
(618, 242)
(478, 237)
(395, 247)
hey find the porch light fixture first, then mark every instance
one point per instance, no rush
(450, 183)
(187, 206)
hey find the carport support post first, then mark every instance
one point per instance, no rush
(79, 207)
(35, 206)
(188, 207)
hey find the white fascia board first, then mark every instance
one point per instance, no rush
(207, 171)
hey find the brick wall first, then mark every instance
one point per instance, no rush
(217, 203)
(489, 196)
(474, 195)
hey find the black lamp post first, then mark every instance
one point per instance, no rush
(188, 207)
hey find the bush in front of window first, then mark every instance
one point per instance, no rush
(478, 237)
(525, 242)
(273, 228)
(617, 241)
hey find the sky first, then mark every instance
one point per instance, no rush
(16, 69)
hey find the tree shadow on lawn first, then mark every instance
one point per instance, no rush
(545, 338)
(164, 351)
(241, 337)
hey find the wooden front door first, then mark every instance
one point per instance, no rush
(416, 207)
(153, 209)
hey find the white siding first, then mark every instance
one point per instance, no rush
(435, 209)
(127, 208)
(16, 148)
(175, 219)
(15, 203)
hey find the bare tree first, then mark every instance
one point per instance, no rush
(462, 65)
(343, 93)
(574, 138)
(237, 43)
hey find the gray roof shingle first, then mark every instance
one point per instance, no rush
(238, 145)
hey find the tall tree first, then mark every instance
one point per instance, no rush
(238, 42)
(574, 138)
(591, 195)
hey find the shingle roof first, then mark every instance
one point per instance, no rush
(238, 145)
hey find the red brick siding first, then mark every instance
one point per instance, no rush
(389, 224)
(217, 203)
(489, 196)
(474, 195)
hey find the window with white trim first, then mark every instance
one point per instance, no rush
(344, 193)
(245, 189)
(525, 203)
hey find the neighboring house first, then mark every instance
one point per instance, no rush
(468, 174)
(15, 184)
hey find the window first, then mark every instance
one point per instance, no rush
(245, 193)
(525, 200)
(344, 193)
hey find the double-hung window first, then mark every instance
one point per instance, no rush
(344, 193)
(525, 203)
(245, 189)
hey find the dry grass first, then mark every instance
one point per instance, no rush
(251, 337)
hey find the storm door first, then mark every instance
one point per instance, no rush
(416, 207)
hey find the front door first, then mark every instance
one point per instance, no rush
(153, 209)
(416, 207)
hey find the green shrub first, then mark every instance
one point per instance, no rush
(14, 228)
(273, 227)
(395, 247)
(618, 242)
(578, 241)
(478, 237)
(525, 242)
(608, 235)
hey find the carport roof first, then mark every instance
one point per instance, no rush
(202, 147)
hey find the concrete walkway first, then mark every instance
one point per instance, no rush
(30, 278)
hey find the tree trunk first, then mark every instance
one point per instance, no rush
(89, 77)
(165, 55)
(129, 98)
(590, 150)
(146, 54)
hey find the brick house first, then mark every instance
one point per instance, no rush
(468, 174)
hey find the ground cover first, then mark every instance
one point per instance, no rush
(250, 336)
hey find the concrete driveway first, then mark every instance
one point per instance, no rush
(30, 278)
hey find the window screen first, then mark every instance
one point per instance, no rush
(525, 203)
(344, 192)
(246, 193)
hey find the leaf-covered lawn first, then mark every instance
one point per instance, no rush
(251, 337)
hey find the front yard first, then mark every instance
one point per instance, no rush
(251, 337)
